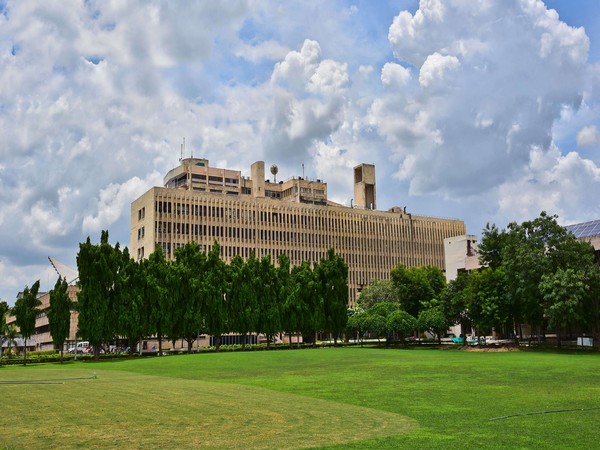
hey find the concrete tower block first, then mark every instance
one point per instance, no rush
(365, 195)
(257, 174)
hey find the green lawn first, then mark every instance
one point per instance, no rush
(338, 398)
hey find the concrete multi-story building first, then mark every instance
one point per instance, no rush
(295, 217)
(41, 338)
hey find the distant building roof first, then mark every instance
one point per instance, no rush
(585, 229)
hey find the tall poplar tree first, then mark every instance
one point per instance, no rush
(242, 305)
(158, 297)
(214, 290)
(3, 327)
(98, 267)
(25, 311)
(129, 298)
(332, 274)
(269, 319)
(59, 314)
(186, 289)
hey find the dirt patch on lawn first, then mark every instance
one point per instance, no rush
(504, 348)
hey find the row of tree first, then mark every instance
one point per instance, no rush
(534, 274)
(197, 292)
(406, 303)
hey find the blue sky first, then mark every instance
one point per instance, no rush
(487, 111)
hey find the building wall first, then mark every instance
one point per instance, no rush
(371, 242)
(460, 254)
(42, 340)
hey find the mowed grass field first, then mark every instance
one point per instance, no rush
(322, 398)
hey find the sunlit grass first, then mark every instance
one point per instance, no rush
(344, 398)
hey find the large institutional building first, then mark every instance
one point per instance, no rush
(251, 214)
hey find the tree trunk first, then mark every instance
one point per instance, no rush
(159, 344)
(217, 343)
(558, 330)
(243, 341)
(25, 354)
(61, 354)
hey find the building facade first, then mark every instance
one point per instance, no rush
(204, 204)
(42, 339)
(460, 255)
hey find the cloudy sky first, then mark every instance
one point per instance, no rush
(483, 110)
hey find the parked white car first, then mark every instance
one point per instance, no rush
(82, 347)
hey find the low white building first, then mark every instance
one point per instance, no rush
(460, 253)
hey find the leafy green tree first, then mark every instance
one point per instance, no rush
(289, 323)
(531, 250)
(434, 321)
(490, 248)
(489, 306)
(454, 300)
(98, 266)
(214, 288)
(310, 303)
(356, 323)
(436, 280)
(186, 290)
(375, 326)
(377, 291)
(11, 334)
(296, 313)
(332, 275)
(243, 306)
(158, 297)
(592, 306)
(59, 314)
(376, 322)
(4, 309)
(269, 318)
(130, 290)
(414, 287)
(25, 311)
(401, 323)
(564, 293)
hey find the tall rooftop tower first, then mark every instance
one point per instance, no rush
(365, 195)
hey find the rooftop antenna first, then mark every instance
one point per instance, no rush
(181, 148)
(302, 170)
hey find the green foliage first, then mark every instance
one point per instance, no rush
(488, 303)
(332, 274)
(378, 291)
(59, 314)
(564, 293)
(157, 295)
(522, 259)
(185, 288)
(214, 291)
(25, 311)
(401, 323)
(433, 320)
(98, 266)
(130, 289)
(417, 286)
(490, 249)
